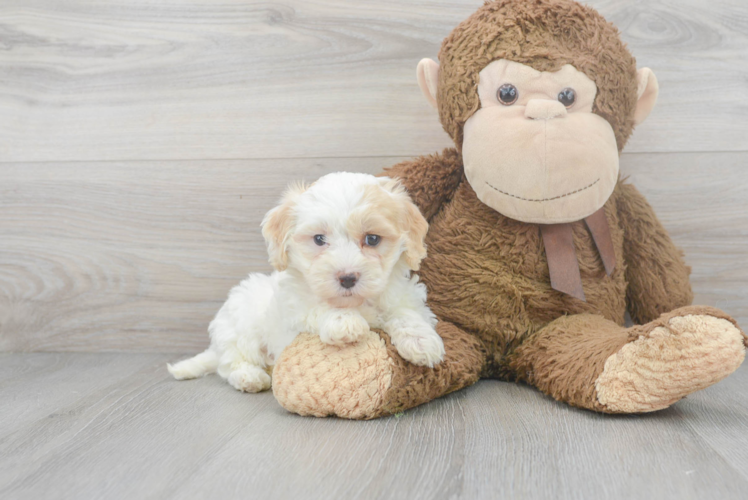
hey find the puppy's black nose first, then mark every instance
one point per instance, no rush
(348, 280)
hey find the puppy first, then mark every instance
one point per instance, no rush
(343, 249)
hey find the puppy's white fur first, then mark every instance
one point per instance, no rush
(263, 314)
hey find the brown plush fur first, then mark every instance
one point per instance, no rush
(545, 35)
(445, 174)
(566, 357)
(369, 379)
(648, 274)
(414, 385)
(487, 275)
(551, 360)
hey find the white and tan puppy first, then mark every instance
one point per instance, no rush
(343, 249)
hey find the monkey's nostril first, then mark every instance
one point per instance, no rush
(348, 280)
(544, 109)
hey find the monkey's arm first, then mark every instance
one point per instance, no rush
(655, 270)
(430, 180)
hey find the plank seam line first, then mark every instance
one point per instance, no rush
(286, 158)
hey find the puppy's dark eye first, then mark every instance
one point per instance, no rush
(319, 239)
(567, 97)
(372, 240)
(507, 94)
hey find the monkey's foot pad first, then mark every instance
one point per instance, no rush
(368, 378)
(676, 355)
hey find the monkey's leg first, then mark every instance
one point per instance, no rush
(590, 362)
(368, 379)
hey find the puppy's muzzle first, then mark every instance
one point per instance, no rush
(348, 280)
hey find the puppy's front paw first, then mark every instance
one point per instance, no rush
(419, 344)
(342, 327)
(249, 378)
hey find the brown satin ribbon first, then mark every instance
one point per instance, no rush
(562, 256)
(597, 223)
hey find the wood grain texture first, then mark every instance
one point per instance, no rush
(142, 141)
(46, 383)
(701, 199)
(147, 436)
(111, 256)
(175, 79)
(712, 415)
(139, 256)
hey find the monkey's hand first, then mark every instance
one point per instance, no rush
(369, 378)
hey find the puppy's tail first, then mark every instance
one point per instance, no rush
(197, 366)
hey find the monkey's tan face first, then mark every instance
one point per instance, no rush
(534, 151)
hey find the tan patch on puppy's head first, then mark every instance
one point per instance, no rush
(278, 224)
(393, 203)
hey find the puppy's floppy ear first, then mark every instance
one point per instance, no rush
(412, 223)
(416, 227)
(277, 226)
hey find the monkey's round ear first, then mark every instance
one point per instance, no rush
(647, 95)
(428, 79)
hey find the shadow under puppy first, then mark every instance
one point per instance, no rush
(343, 249)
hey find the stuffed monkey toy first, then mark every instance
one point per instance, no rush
(536, 248)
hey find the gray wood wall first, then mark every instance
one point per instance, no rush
(141, 141)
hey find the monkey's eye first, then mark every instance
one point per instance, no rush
(319, 239)
(507, 94)
(567, 97)
(372, 240)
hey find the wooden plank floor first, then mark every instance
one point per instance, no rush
(116, 426)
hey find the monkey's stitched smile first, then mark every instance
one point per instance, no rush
(543, 199)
